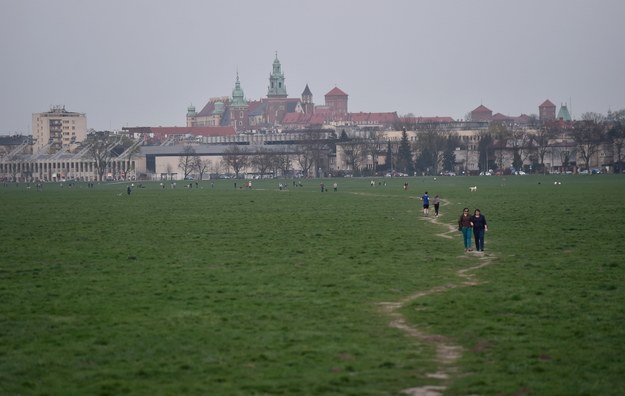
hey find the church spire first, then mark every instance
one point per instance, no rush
(277, 88)
(238, 97)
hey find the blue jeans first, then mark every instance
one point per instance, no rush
(479, 239)
(466, 235)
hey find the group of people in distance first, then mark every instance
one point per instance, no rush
(472, 224)
(425, 198)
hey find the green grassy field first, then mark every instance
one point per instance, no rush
(224, 291)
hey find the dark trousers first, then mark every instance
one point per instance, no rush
(478, 234)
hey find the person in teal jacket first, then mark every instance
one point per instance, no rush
(464, 225)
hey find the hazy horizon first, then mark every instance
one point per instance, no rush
(142, 63)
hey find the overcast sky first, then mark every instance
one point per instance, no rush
(142, 63)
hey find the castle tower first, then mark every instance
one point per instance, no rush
(277, 88)
(238, 108)
(547, 111)
(276, 95)
(191, 114)
(307, 101)
(336, 100)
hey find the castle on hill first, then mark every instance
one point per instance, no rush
(277, 110)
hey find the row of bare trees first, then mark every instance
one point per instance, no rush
(503, 145)
(586, 137)
(310, 154)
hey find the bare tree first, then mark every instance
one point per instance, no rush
(521, 145)
(187, 160)
(372, 145)
(282, 162)
(201, 166)
(353, 151)
(262, 160)
(432, 143)
(311, 153)
(101, 145)
(236, 158)
(588, 134)
(500, 133)
(617, 137)
(543, 139)
(304, 160)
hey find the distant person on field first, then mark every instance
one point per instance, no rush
(464, 225)
(437, 204)
(336, 186)
(426, 203)
(478, 222)
(129, 190)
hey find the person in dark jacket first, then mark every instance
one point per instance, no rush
(478, 222)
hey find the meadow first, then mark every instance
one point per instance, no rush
(220, 290)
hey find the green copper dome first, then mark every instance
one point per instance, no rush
(191, 111)
(238, 97)
(564, 114)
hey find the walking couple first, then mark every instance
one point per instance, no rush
(473, 224)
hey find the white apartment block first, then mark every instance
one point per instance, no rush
(58, 129)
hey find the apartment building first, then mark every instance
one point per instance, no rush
(58, 129)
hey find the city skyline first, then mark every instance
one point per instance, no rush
(144, 63)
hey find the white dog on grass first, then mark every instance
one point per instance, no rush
(473, 189)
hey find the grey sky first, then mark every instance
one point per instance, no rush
(141, 63)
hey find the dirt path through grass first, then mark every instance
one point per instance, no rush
(447, 353)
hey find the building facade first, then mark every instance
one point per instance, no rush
(547, 111)
(58, 129)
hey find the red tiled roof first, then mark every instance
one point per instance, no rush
(336, 92)
(207, 110)
(501, 117)
(482, 109)
(253, 104)
(303, 119)
(292, 118)
(547, 103)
